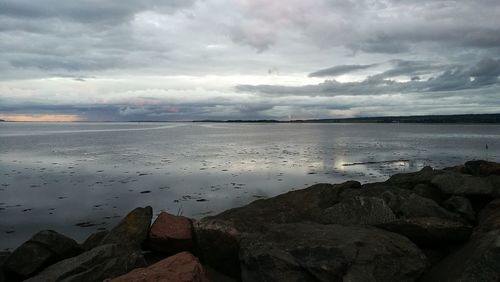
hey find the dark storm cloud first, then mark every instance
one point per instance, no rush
(339, 70)
(453, 78)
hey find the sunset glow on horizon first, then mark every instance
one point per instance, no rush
(41, 118)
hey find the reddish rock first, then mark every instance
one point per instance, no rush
(183, 267)
(171, 234)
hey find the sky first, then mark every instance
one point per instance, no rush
(128, 60)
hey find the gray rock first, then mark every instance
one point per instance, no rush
(106, 261)
(301, 205)
(465, 185)
(218, 245)
(429, 192)
(94, 240)
(218, 236)
(489, 217)
(477, 260)
(43, 249)
(315, 252)
(404, 203)
(462, 206)
(430, 231)
(3, 258)
(131, 230)
(482, 168)
(360, 210)
(409, 180)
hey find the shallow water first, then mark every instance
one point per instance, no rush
(77, 178)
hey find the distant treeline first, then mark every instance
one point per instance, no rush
(470, 118)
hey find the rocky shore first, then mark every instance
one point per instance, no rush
(431, 225)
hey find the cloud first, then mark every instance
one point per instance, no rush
(340, 70)
(258, 37)
(86, 11)
(194, 59)
(484, 73)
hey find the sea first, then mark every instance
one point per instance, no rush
(79, 178)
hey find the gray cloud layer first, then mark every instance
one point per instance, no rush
(485, 73)
(339, 70)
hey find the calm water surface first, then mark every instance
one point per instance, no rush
(77, 178)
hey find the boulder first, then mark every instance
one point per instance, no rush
(404, 203)
(214, 275)
(489, 217)
(300, 205)
(430, 231)
(409, 180)
(477, 260)
(218, 236)
(360, 210)
(315, 252)
(482, 168)
(457, 168)
(3, 258)
(218, 245)
(43, 249)
(94, 240)
(429, 192)
(171, 234)
(131, 230)
(182, 267)
(453, 183)
(105, 261)
(345, 203)
(462, 206)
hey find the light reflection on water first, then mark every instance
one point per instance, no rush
(56, 175)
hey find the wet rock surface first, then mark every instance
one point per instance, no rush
(432, 225)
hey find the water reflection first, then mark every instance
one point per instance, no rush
(79, 178)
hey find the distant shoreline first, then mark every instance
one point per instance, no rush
(456, 119)
(420, 119)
